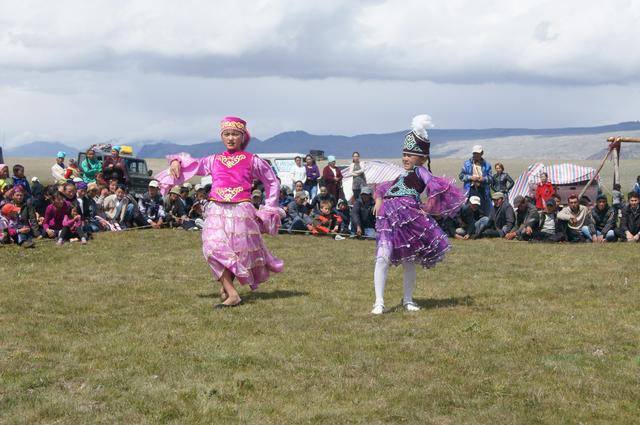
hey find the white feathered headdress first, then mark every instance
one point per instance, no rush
(419, 125)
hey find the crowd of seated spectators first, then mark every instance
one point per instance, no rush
(72, 210)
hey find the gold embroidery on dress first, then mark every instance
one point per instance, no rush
(231, 161)
(228, 193)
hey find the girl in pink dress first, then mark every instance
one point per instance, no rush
(231, 241)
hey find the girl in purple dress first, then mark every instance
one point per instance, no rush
(231, 241)
(406, 234)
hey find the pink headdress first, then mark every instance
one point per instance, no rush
(237, 124)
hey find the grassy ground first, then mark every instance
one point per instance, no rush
(122, 331)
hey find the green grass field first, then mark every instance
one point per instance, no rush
(122, 331)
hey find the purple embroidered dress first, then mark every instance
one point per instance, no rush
(231, 235)
(405, 230)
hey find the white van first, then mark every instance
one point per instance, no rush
(282, 164)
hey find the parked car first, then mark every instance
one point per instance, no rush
(137, 172)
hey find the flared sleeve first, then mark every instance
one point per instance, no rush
(189, 167)
(443, 197)
(270, 213)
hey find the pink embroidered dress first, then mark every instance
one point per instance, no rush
(231, 235)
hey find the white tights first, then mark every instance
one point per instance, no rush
(380, 279)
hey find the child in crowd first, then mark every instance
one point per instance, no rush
(326, 221)
(9, 223)
(53, 222)
(345, 215)
(72, 171)
(4, 177)
(617, 198)
(405, 233)
(20, 180)
(72, 229)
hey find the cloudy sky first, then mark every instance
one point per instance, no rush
(86, 71)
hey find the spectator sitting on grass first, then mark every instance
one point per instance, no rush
(325, 221)
(527, 219)
(284, 198)
(69, 191)
(20, 180)
(323, 195)
(472, 220)
(256, 199)
(14, 230)
(118, 208)
(362, 216)
(27, 220)
(604, 220)
(72, 230)
(196, 216)
(502, 219)
(342, 209)
(4, 224)
(501, 181)
(113, 186)
(298, 218)
(550, 229)
(299, 186)
(37, 193)
(629, 229)
(151, 207)
(54, 215)
(186, 199)
(579, 225)
(174, 208)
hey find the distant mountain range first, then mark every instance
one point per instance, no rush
(503, 143)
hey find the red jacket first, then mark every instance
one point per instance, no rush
(543, 193)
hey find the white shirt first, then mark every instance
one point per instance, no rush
(57, 172)
(298, 174)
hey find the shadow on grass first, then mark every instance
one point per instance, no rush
(430, 303)
(258, 295)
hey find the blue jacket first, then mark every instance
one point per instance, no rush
(467, 172)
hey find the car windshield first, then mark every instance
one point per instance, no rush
(136, 166)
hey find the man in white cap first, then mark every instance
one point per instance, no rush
(472, 219)
(476, 176)
(151, 207)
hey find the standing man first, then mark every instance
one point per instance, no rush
(476, 176)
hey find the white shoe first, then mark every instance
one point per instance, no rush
(339, 238)
(377, 309)
(411, 306)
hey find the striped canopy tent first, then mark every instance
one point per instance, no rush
(558, 174)
(375, 172)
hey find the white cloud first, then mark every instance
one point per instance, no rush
(457, 41)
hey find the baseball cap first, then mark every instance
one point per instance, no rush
(366, 191)
(301, 194)
(9, 208)
(153, 183)
(61, 154)
(475, 200)
(34, 179)
(477, 149)
(331, 158)
(497, 195)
